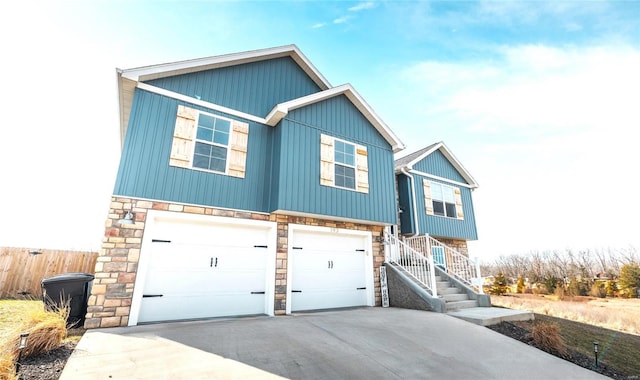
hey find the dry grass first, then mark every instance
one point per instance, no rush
(547, 336)
(46, 329)
(611, 313)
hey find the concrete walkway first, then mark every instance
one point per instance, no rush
(487, 316)
(367, 343)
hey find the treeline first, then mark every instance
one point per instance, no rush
(597, 272)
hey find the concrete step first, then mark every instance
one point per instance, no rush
(455, 297)
(457, 305)
(442, 284)
(443, 291)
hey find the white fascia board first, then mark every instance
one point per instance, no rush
(146, 73)
(447, 180)
(188, 99)
(282, 109)
(471, 182)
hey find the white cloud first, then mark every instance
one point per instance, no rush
(318, 25)
(548, 132)
(363, 6)
(342, 20)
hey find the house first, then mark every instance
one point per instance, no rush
(247, 184)
(434, 197)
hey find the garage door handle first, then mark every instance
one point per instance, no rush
(296, 291)
(151, 295)
(361, 288)
(257, 292)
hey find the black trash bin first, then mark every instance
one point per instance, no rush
(72, 289)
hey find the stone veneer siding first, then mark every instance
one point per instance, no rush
(109, 304)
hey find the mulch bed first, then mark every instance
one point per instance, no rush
(523, 335)
(47, 366)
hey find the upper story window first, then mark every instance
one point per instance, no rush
(203, 141)
(212, 142)
(442, 200)
(343, 164)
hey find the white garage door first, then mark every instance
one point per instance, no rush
(329, 270)
(203, 269)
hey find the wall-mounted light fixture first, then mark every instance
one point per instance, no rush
(128, 219)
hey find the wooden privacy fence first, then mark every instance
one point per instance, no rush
(22, 269)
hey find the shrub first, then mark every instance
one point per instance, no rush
(551, 283)
(598, 290)
(578, 288)
(546, 336)
(629, 279)
(520, 285)
(499, 285)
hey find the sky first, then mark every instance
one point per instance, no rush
(539, 100)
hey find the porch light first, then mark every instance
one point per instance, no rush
(128, 219)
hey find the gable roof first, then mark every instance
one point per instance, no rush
(129, 79)
(280, 111)
(409, 160)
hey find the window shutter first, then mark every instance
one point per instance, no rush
(238, 149)
(459, 203)
(362, 169)
(428, 202)
(326, 160)
(183, 137)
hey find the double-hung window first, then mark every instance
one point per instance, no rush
(203, 141)
(442, 200)
(212, 143)
(345, 165)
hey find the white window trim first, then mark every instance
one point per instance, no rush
(228, 146)
(443, 201)
(354, 167)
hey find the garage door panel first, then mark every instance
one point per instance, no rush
(196, 306)
(328, 270)
(328, 299)
(204, 269)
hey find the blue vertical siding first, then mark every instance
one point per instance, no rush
(442, 226)
(405, 203)
(144, 170)
(253, 88)
(298, 184)
(437, 164)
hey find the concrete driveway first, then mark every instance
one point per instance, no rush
(367, 343)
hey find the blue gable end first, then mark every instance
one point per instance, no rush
(298, 158)
(144, 170)
(435, 168)
(437, 164)
(253, 88)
